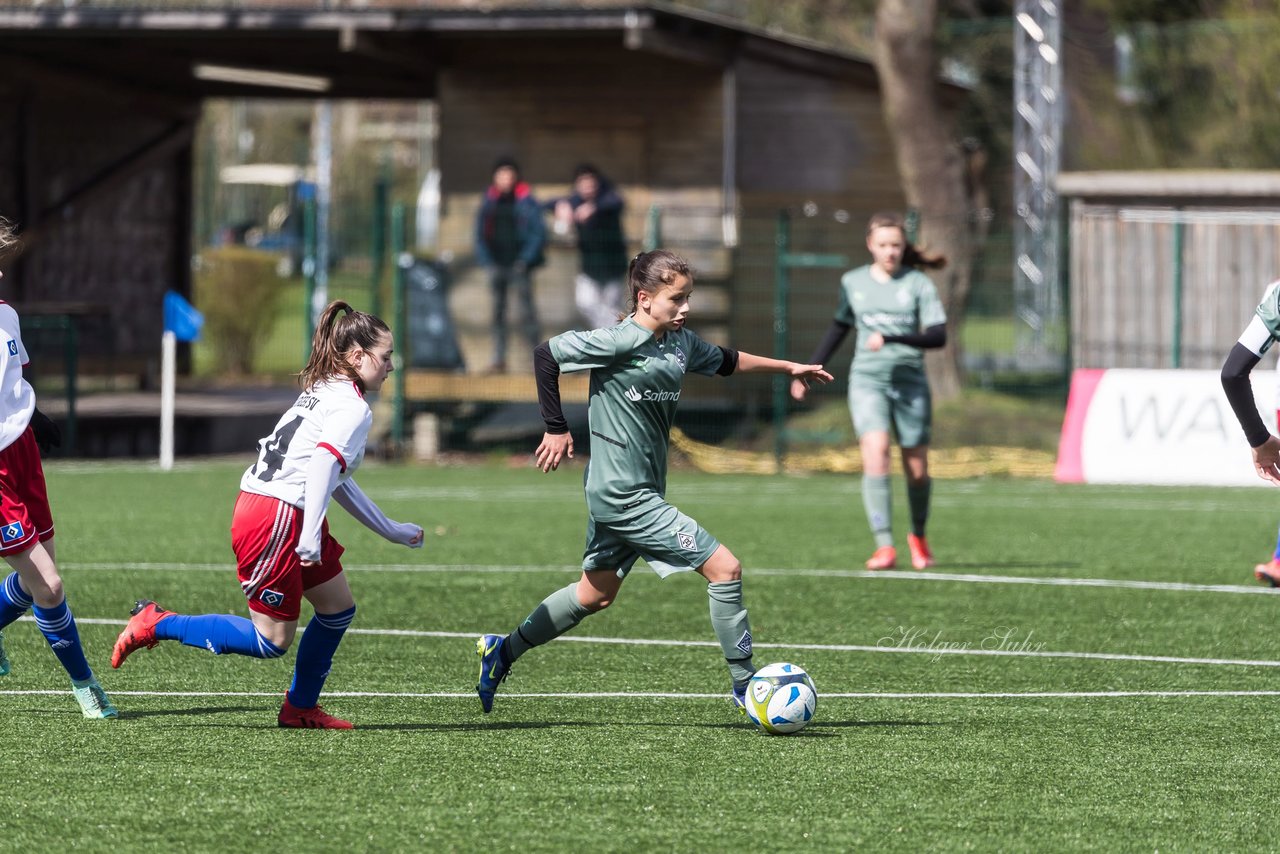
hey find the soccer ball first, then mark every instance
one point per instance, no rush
(781, 699)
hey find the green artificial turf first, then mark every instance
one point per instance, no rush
(954, 713)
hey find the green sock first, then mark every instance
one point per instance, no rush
(729, 619)
(558, 613)
(878, 501)
(918, 499)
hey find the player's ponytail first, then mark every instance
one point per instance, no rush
(8, 238)
(649, 271)
(912, 255)
(340, 331)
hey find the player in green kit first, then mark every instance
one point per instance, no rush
(897, 314)
(637, 370)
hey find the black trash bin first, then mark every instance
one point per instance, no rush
(433, 338)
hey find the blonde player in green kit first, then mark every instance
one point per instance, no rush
(897, 313)
(637, 370)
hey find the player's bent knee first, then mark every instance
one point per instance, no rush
(598, 602)
(274, 640)
(47, 594)
(722, 568)
(270, 649)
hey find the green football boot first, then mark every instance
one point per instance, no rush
(94, 702)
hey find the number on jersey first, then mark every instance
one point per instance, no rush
(274, 450)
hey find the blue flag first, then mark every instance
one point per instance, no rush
(181, 317)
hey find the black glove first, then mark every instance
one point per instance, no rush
(48, 436)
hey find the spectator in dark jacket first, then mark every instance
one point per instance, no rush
(509, 240)
(594, 208)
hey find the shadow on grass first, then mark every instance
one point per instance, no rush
(479, 726)
(815, 732)
(130, 714)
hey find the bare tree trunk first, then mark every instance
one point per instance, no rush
(934, 169)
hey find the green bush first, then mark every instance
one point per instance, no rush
(239, 291)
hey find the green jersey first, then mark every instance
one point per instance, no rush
(905, 305)
(635, 386)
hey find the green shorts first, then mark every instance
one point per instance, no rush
(902, 405)
(668, 540)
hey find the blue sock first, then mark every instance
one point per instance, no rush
(14, 601)
(1276, 555)
(59, 629)
(218, 633)
(315, 655)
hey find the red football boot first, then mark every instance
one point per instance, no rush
(885, 557)
(140, 631)
(313, 718)
(921, 557)
(1269, 572)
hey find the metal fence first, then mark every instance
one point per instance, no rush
(1166, 286)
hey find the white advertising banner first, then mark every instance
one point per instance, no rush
(1158, 427)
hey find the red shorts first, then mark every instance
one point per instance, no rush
(264, 535)
(25, 517)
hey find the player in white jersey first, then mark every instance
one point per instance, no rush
(284, 551)
(26, 521)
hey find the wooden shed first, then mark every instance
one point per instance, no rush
(1167, 266)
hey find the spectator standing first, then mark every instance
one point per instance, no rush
(594, 209)
(509, 241)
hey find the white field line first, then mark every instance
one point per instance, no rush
(681, 695)
(894, 646)
(896, 575)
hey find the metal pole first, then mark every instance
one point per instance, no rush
(403, 260)
(1179, 229)
(1064, 289)
(73, 372)
(1037, 141)
(309, 274)
(168, 376)
(378, 245)
(323, 159)
(782, 287)
(653, 229)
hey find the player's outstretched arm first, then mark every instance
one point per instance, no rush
(351, 498)
(1239, 391)
(752, 364)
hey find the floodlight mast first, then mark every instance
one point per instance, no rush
(1037, 143)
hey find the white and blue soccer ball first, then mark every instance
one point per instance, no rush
(781, 699)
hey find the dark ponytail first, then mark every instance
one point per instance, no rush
(8, 239)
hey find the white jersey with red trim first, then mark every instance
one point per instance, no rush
(17, 397)
(331, 415)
